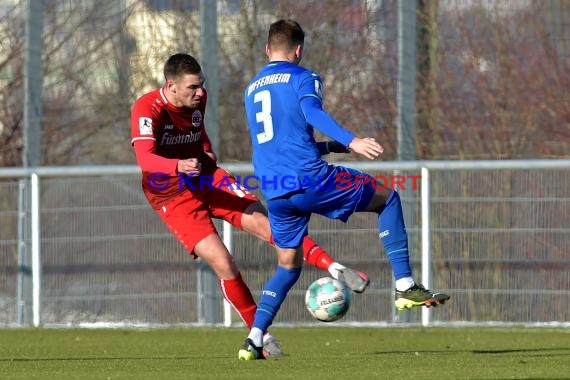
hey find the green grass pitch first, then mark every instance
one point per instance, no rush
(312, 353)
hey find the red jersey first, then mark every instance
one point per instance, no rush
(162, 134)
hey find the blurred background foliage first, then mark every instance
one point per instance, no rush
(493, 77)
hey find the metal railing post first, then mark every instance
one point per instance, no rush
(24, 295)
(426, 239)
(36, 253)
(228, 241)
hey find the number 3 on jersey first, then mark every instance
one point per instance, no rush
(264, 116)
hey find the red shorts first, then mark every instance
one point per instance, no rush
(189, 216)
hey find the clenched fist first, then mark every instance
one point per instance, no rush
(190, 166)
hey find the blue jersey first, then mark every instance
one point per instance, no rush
(285, 154)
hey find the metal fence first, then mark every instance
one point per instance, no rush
(80, 246)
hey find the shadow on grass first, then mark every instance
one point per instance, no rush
(484, 352)
(520, 350)
(107, 358)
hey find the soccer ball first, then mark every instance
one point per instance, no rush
(327, 299)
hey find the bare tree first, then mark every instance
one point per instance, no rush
(85, 104)
(11, 82)
(502, 85)
(359, 91)
(497, 86)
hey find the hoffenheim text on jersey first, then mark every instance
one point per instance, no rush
(268, 79)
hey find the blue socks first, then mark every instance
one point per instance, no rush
(273, 295)
(393, 236)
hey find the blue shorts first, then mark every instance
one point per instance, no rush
(342, 192)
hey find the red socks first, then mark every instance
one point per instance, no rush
(237, 293)
(313, 254)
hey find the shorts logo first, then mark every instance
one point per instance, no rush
(145, 125)
(196, 118)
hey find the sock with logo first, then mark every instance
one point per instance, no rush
(272, 297)
(393, 236)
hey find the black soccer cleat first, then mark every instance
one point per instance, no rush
(250, 351)
(417, 295)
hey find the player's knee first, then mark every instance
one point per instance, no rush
(257, 224)
(380, 199)
(256, 208)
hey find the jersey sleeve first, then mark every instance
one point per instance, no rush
(310, 85)
(323, 148)
(143, 121)
(311, 101)
(150, 162)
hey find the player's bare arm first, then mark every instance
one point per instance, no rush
(189, 166)
(367, 146)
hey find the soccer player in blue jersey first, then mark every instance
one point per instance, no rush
(283, 104)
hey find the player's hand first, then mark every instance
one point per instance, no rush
(190, 166)
(336, 147)
(367, 146)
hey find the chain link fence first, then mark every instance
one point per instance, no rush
(499, 246)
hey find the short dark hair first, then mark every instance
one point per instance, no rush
(285, 34)
(179, 64)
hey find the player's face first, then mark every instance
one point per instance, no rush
(187, 91)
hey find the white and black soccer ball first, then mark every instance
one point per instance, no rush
(328, 299)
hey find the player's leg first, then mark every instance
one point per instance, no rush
(351, 191)
(288, 240)
(212, 250)
(392, 232)
(314, 255)
(244, 210)
(255, 221)
(189, 220)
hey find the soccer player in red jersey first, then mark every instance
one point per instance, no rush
(174, 154)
